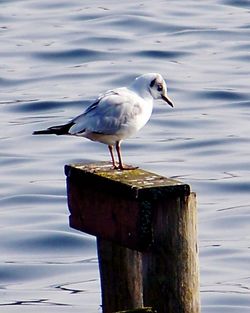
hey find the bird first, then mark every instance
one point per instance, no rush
(116, 115)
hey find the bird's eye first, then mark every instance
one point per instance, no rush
(159, 87)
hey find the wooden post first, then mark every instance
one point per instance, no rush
(121, 276)
(170, 266)
(146, 236)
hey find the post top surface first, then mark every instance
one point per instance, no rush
(136, 179)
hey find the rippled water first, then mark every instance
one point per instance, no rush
(55, 57)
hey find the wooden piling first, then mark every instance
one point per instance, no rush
(121, 276)
(170, 266)
(145, 226)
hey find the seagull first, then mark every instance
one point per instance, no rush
(116, 115)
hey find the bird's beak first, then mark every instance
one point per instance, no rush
(166, 98)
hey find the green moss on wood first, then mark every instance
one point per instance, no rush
(136, 178)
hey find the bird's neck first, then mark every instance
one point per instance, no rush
(141, 90)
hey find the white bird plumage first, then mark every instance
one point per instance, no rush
(116, 114)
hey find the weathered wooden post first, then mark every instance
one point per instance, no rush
(145, 226)
(170, 266)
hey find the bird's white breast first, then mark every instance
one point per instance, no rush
(136, 115)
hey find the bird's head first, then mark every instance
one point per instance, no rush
(155, 85)
(158, 88)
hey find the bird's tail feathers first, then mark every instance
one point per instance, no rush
(56, 130)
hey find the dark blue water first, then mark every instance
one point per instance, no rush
(55, 57)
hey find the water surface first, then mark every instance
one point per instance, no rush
(56, 57)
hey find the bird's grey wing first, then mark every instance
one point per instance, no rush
(106, 115)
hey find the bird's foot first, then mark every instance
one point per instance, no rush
(127, 167)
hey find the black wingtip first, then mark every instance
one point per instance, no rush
(41, 132)
(56, 130)
(38, 132)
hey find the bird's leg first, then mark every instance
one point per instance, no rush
(112, 156)
(119, 154)
(118, 150)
